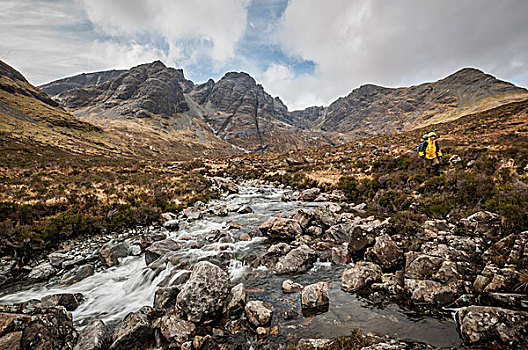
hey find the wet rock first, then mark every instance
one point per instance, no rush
(259, 313)
(244, 237)
(133, 332)
(174, 329)
(300, 259)
(204, 294)
(391, 283)
(505, 300)
(232, 207)
(491, 325)
(421, 266)
(360, 276)
(278, 249)
(95, 336)
(168, 216)
(161, 248)
(309, 194)
(220, 211)
(192, 213)
(288, 287)
(32, 326)
(172, 225)
(6, 270)
(78, 274)
(315, 296)
(42, 272)
(290, 314)
(483, 223)
(339, 233)
(237, 300)
(281, 229)
(245, 209)
(68, 300)
(385, 252)
(339, 255)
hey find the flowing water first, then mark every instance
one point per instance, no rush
(112, 293)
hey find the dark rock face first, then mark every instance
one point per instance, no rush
(69, 301)
(79, 81)
(485, 325)
(143, 90)
(33, 326)
(133, 332)
(204, 294)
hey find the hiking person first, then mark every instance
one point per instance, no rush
(430, 152)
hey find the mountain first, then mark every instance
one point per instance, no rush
(160, 101)
(373, 110)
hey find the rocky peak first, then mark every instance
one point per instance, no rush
(10, 72)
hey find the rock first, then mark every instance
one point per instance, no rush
(340, 255)
(237, 300)
(421, 266)
(391, 283)
(205, 342)
(288, 287)
(152, 237)
(309, 194)
(455, 158)
(339, 233)
(504, 300)
(176, 330)
(30, 325)
(226, 184)
(290, 314)
(172, 225)
(315, 296)
(232, 207)
(363, 235)
(204, 294)
(429, 292)
(110, 253)
(448, 273)
(78, 274)
(281, 229)
(132, 333)
(314, 344)
(262, 331)
(95, 336)
(259, 313)
(168, 216)
(483, 223)
(165, 297)
(293, 161)
(220, 211)
(192, 213)
(161, 248)
(42, 272)
(491, 325)
(245, 209)
(385, 253)
(244, 237)
(56, 259)
(278, 249)
(360, 276)
(68, 300)
(300, 259)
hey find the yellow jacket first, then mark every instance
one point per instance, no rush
(432, 150)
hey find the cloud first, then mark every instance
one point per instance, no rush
(405, 42)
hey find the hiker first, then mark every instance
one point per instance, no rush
(430, 151)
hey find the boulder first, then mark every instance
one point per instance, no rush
(281, 229)
(483, 223)
(259, 313)
(300, 259)
(339, 233)
(314, 344)
(492, 325)
(78, 274)
(339, 255)
(161, 248)
(109, 253)
(133, 332)
(288, 287)
(245, 209)
(30, 325)
(42, 272)
(237, 300)
(68, 300)
(192, 213)
(168, 216)
(385, 252)
(152, 237)
(204, 294)
(95, 336)
(360, 276)
(165, 297)
(433, 292)
(363, 235)
(174, 329)
(309, 194)
(172, 225)
(226, 184)
(421, 266)
(56, 259)
(315, 296)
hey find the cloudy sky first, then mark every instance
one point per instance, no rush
(308, 52)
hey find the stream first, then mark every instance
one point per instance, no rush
(112, 293)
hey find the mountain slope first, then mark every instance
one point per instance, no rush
(373, 110)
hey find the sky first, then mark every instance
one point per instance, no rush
(307, 52)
